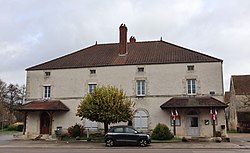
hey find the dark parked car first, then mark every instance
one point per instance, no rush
(126, 135)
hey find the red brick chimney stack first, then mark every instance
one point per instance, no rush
(123, 39)
(132, 39)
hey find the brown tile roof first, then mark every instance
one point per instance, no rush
(241, 84)
(191, 102)
(150, 52)
(44, 106)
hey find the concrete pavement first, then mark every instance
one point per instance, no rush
(238, 141)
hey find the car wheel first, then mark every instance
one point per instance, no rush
(109, 143)
(143, 143)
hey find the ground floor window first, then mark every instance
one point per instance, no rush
(90, 124)
(177, 121)
(141, 120)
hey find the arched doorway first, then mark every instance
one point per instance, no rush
(45, 123)
(141, 120)
(193, 128)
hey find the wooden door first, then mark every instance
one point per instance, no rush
(44, 123)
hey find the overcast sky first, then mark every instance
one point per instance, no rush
(35, 31)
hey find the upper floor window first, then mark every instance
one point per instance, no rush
(190, 67)
(191, 86)
(92, 71)
(47, 92)
(140, 69)
(141, 88)
(47, 74)
(91, 87)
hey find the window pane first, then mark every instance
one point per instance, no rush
(194, 121)
(118, 130)
(129, 130)
(140, 87)
(191, 86)
(177, 121)
(47, 91)
(91, 87)
(90, 124)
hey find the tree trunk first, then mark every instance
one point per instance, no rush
(106, 126)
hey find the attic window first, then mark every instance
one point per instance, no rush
(190, 67)
(47, 74)
(140, 69)
(92, 71)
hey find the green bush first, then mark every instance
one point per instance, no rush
(162, 132)
(12, 127)
(76, 130)
(20, 127)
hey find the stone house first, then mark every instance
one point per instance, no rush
(238, 112)
(160, 77)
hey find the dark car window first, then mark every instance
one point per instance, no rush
(129, 130)
(118, 130)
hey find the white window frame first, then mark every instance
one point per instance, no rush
(177, 121)
(91, 87)
(46, 91)
(140, 87)
(191, 86)
(90, 124)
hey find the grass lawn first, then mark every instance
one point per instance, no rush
(6, 131)
(95, 138)
(167, 141)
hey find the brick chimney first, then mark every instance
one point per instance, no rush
(132, 39)
(123, 39)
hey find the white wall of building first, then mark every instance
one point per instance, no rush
(163, 81)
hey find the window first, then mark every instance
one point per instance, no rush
(129, 130)
(92, 71)
(216, 121)
(140, 69)
(118, 130)
(140, 87)
(190, 67)
(47, 92)
(47, 74)
(191, 86)
(92, 87)
(90, 124)
(194, 121)
(177, 121)
(141, 120)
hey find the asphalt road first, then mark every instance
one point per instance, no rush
(117, 150)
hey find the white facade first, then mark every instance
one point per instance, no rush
(162, 82)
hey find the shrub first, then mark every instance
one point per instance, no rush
(12, 127)
(20, 127)
(161, 132)
(76, 130)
